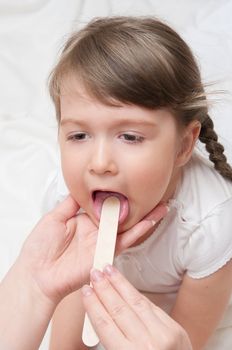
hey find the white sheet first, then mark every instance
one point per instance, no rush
(31, 33)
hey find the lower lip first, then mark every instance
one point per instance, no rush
(124, 208)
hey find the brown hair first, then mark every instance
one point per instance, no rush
(139, 61)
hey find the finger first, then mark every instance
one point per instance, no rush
(103, 324)
(158, 213)
(65, 209)
(118, 309)
(147, 312)
(126, 239)
(71, 225)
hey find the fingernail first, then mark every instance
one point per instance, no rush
(96, 275)
(153, 222)
(86, 290)
(109, 270)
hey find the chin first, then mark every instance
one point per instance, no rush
(125, 226)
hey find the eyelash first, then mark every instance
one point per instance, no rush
(128, 138)
(81, 136)
(131, 138)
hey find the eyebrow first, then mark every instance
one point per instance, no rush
(70, 121)
(121, 122)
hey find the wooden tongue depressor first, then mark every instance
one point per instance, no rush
(104, 253)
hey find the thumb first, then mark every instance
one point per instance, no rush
(65, 209)
(158, 213)
(126, 239)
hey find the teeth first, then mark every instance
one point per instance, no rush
(108, 194)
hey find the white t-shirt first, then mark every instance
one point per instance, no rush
(195, 237)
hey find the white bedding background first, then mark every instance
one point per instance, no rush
(31, 34)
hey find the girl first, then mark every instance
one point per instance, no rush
(131, 106)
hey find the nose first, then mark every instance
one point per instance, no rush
(102, 160)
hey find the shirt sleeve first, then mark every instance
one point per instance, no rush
(55, 191)
(209, 246)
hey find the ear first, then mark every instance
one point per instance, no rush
(189, 137)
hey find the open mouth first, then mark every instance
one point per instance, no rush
(98, 198)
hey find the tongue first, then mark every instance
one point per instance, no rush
(100, 196)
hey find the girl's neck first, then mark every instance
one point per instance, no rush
(173, 185)
(169, 194)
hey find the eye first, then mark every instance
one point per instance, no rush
(132, 138)
(79, 136)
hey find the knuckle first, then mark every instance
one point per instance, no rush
(118, 310)
(147, 342)
(183, 338)
(101, 322)
(171, 344)
(178, 332)
(103, 286)
(139, 302)
(168, 342)
(149, 345)
(175, 339)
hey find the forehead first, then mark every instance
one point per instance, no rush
(72, 87)
(76, 102)
(73, 93)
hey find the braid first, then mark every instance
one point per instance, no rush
(216, 151)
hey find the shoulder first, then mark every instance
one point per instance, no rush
(202, 190)
(209, 246)
(55, 190)
(204, 220)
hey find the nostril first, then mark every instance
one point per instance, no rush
(102, 164)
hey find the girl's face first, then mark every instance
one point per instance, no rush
(128, 150)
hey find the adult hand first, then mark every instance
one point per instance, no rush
(59, 252)
(55, 260)
(125, 319)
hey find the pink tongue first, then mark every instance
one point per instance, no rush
(99, 198)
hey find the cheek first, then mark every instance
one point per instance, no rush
(71, 168)
(154, 168)
(151, 178)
